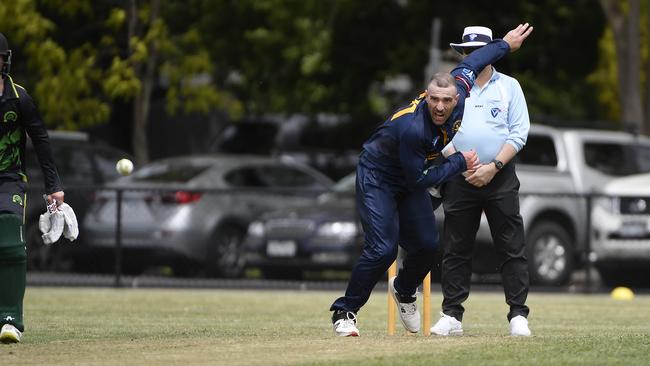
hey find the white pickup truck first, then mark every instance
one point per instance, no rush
(557, 169)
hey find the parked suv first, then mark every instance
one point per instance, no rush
(621, 231)
(557, 169)
(83, 165)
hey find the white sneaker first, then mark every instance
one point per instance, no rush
(408, 311)
(447, 326)
(9, 334)
(347, 326)
(519, 327)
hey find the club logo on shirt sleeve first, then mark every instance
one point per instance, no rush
(468, 74)
(17, 199)
(10, 116)
(456, 126)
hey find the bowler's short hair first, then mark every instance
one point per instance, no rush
(442, 80)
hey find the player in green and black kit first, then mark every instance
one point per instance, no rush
(18, 117)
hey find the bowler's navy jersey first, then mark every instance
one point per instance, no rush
(403, 148)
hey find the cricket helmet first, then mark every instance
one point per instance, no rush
(5, 52)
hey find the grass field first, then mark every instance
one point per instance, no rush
(78, 326)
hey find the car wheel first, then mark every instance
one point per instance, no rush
(550, 254)
(225, 252)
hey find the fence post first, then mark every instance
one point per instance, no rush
(118, 239)
(588, 287)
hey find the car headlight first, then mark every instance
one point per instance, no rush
(340, 229)
(256, 228)
(609, 204)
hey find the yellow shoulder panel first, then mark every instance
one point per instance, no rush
(410, 109)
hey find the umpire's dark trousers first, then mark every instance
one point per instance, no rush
(463, 204)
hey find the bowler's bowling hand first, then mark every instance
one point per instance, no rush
(516, 37)
(471, 159)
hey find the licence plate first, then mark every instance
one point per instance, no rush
(281, 248)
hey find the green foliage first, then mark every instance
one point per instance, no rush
(188, 69)
(253, 57)
(62, 76)
(605, 77)
(121, 81)
(87, 76)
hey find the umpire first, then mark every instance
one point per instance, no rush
(496, 124)
(18, 117)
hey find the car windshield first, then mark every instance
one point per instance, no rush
(345, 184)
(169, 173)
(618, 159)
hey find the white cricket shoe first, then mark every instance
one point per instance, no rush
(9, 334)
(447, 326)
(408, 311)
(519, 327)
(345, 324)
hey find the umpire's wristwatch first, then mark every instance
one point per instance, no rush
(498, 164)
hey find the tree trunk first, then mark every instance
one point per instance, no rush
(645, 128)
(626, 32)
(146, 74)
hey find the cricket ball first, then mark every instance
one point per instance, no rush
(124, 166)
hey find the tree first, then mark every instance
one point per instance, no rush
(96, 53)
(153, 51)
(60, 75)
(625, 34)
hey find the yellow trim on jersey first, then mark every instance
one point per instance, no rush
(13, 85)
(410, 109)
(24, 208)
(445, 137)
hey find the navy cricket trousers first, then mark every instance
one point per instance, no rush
(390, 215)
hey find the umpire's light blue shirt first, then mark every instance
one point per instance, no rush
(493, 115)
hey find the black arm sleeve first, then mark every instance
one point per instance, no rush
(37, 132)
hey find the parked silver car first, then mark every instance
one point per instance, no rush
(192, 213)
(621, 231)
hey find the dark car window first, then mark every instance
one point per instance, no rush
(539, 150)
(169, 173)
(76, 166)
(245, 177)
(271, 176)
(608, 158)
(642, 154)
(284, 176)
